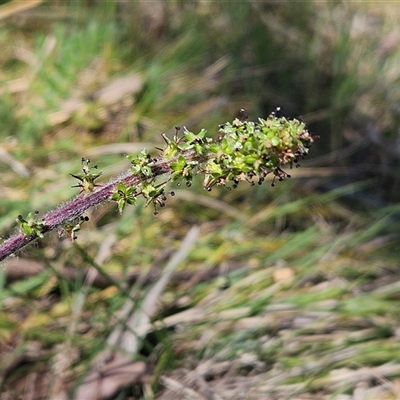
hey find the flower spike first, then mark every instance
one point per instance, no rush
(242, 151)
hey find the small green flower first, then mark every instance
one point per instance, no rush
(142, 163)
(124, 195)
(86, 178)
(71, 227)
(192, 142)
(183, 169)
(154, 194)
(30, 226)
(172, 148)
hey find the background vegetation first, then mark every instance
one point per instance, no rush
(288, 292)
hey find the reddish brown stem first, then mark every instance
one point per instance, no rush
(74, 208)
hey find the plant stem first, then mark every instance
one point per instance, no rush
(75, 207)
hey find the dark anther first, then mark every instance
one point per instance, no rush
(242, 116)
(172, 193)
(277, 110)
(188, 183)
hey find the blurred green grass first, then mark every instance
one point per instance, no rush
(309, 266)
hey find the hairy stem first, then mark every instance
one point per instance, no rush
(75, 207)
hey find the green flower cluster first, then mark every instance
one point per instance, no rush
(246, 150)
